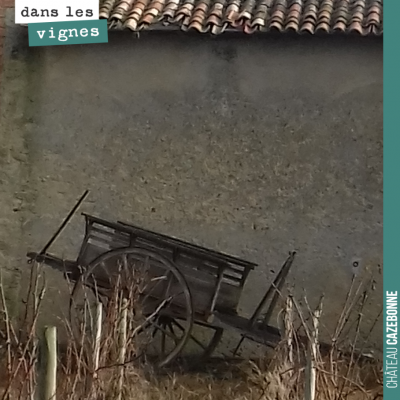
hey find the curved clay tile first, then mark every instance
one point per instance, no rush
(324, 16)
(260, 18)
(121, 9)
(215, 17)
(217, 30)
(135, 14)
(154, 8)
(152, 14)
(200, 14)
(278, 15)
(184, 12)
(246, 11)
(232, 12)
(248, 28)
(249, 16)
(294, 16)
(358, 11)
(374, 17)
(261, 15)
(310, 17)
(170, 9)
(105, 8)
(341, 16)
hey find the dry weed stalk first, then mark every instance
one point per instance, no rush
(335, 374)
(289, 328)
(93, 359)
(21, 348)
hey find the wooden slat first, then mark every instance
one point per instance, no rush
(200, 270)
(113, 235)
(157, 237)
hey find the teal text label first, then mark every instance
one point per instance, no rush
(68, 32)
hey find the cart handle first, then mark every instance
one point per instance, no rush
(64, 223)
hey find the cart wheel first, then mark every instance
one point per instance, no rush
(155, 292)
(202, 342)
(197, 348)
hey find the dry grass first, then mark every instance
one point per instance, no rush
(284, 375)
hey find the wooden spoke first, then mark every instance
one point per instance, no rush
(156, 290)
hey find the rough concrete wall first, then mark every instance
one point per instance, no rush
(4, 6)
(252, 146)
(12, 154)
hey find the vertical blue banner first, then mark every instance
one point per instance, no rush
(391, 202)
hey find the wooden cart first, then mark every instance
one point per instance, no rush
(187, 295)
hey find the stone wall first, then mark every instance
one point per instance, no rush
(249, 145)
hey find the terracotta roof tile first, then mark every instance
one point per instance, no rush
(364, 17)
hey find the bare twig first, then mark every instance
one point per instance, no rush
(288, 323)
(8, 335)
(24, 350)
(351, 361)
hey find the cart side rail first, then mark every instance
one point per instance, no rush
(215, 283)
(187, 247)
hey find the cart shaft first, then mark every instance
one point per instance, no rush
(67, 266)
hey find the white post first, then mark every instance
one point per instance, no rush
(311, 370)
(122, 345)
(51, 365)
(96, 355)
